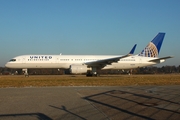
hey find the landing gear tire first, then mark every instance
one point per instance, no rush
(92, 75)
(25, 72)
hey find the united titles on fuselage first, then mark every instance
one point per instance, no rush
(39, 58)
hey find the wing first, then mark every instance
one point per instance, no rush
(158, 59)
(102, 63)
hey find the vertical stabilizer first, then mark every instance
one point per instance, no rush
(153, 48)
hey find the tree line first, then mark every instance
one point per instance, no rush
(143, 70)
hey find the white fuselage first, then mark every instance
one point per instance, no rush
(64, 61)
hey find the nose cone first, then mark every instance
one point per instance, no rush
(7, 65)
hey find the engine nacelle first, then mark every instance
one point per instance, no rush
(78, 69)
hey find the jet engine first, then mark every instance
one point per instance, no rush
(78, 69)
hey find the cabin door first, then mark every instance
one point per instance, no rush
(23, 60)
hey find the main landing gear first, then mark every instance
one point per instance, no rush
(92, 73)
(25, 72)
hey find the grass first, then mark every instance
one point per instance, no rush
(80, 80)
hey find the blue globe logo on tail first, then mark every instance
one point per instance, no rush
(149, 51)
(153, 48)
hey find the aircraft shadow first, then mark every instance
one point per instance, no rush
(69, 112)
(118, 104)
(20, 116)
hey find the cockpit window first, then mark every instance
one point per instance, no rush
(12, 60)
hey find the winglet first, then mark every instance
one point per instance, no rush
(133, 49)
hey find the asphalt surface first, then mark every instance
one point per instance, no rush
(91, 103)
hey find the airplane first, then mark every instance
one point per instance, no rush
(91, 64)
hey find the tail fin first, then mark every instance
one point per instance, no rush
(153, 48)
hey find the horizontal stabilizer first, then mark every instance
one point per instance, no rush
(163, 58)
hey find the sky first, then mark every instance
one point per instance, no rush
(87, 27)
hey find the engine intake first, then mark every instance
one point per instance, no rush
(78, 69)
